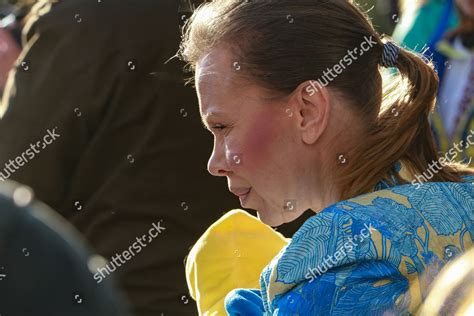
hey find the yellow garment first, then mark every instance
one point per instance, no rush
(231, 254)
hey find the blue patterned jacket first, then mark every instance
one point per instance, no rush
(373, 254)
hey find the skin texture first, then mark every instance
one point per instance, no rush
(284, 148)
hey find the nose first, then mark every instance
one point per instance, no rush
(217, 164)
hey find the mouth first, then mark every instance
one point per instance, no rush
(242, 193)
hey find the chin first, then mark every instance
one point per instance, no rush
(276, 218)
(269, 218)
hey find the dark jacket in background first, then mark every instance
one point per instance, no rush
(45, 268)
(131, 149)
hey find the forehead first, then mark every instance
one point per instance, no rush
(214, 78)
(223, 89)
(221, 86)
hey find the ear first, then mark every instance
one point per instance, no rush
(313, 109)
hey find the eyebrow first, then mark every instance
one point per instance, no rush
(210, 115)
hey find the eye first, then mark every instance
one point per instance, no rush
(219, 127)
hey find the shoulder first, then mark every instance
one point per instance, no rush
(373, 233)
(394, 210)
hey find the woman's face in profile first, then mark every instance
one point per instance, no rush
(255, 144)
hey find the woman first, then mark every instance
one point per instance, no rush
(292, 92)
(454, 54)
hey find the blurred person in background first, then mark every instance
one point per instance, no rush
(423, 23)
(9, 51)
(452, 292)
(45, 266)
(444, 31)
(10, 38)
(123, 144)
(93, 79)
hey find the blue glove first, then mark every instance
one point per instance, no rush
(244, 302)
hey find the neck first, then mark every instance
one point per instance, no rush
(332, 159)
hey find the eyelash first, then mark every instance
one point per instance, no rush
(218, 127)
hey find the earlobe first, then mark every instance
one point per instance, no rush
(313, 110)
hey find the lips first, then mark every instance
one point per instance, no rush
(240, 191)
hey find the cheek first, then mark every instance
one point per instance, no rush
(259, 143)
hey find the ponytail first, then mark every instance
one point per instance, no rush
(401, 133)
